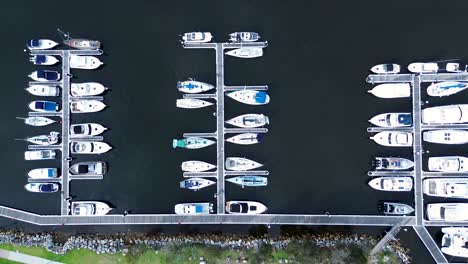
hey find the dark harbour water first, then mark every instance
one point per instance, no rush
(317, 149)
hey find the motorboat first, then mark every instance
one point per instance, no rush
(246, 52)
(447, 211)
(45, 76)
(448, 164)
(245, 207)
(192, 103)
(388, 68)
(249, 120)
(392, 208)
(89, 208)
(84, 44)
(454, 241)
(197, 37)
(192, 86)
(195, 183)
(43, 173)
(394, 138)
(37, 120)
(455, 67)
(393, 184)
(196, 166)
(446, 187)
(89, 168)
(86, 130)
(84, 62)
(87, 89)
(43, 90)
(446, 88)
(392, 163)
(192, 143)
(447, 114)
(43, 60)
(249, 181)
(241, 164)
(193, 208)
(89, 147)
(86, 106)
(423, 67)
(41, 44)
(391, 90)
(244, 36)
(39, 154)
(42, 187)
(446, 136)
(392, 120)
(44, 140)
(44, 106)
(250, 97)
(246, 139)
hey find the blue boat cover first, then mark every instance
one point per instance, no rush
(260, 97)
(51, 75)
(405, 119)
(50, 172)
(40, 59)
(33, 43)
(458, 85)
(39, 105)
(41, 74)
(47, 187)
(50, 106)
(259, 137)
(198, 209)
(191, 86)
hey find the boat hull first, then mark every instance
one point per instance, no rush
(241, 164)
(197, 37)
(86, 130)
(43, 106)
(43, 173)
(196, 166)
(447, 114)
(195, 183)
(245, 207)
(420, 67)
(41, 44)
(246, 53)
(193, 208)
(446, 136)
(87, 106)
(446, 187)
(394, 138)
(391, 90)
(39, 154)
(250, 97)
(245, 139)
(456, 211)
(87, 89)
(84, 44)
(85, 62)
(393, 184)
(89, 168)
(446, 88)
(89, 147)
(249, 121)
(392, 163)
(392, 120)
(42, 187)
(249, 181)
(448, 164)
(43, 90)
(193, 87)
(89, 208)
(386, 69)
(192, 143)
(45, 60)
(192, 103)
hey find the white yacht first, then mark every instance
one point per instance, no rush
(192, 103)
(455, 67)
(89, 208)
(392, 120)
(86, 106)
(89, 147)
(87, 89)
(249, 120)
(423, 67)
(40, 154)
(37, 120)
(446, 187)
(447, 114)
(392, 163)
(446, 136)
(197, 37)
(84, 62)
(446, 88)
(196, 166)
(41, 44)
(192, 86)
(447, 211)
(393, 184)
(193, 208)
(89, 168)
(45, 76)
(196, 183)
(245, 207)
(244, 36)
(391, 90)
(448, 164)
(394, 138)
(241, 164)
(43, 60)
(44, 140)
(250, 97)
(246, 52)
(43, 173)
(386, 68)
(43, 90)
(454, 241)
(86, 130)
(246, 139)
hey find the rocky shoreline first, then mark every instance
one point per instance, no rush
(122, 243)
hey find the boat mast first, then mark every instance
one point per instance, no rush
(66, 36)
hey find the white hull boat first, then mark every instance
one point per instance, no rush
(421, 67)
(84, 62)
(44, 140)
(193, 208)
(392, 120)
(89, 208)
(386, 69)
(39, 154)
(86, 130)
(249, 120)
(446, 88)
(246, 52)
(241, 164)
(447, 211)
(89, 147)
(83, 44)
(393, 138)
(192, 143)
(41, 44)
(86, 106)
(455, 67)
(195, 183)
(391, 208)
(447, 114)
(45, 76)
(42, 187)
(391, 90)
(392, 163)
(196, 166)
(43, 60)
(392, 184)
(244, 36)
(43, 106)
(446, 187)
(43, 90)
(89, 168)
(43, 173)
(448, 164)
(246, 139)
(192, 103)
(454, 241)
(245, 207)
(37, 120)
(192, 86)
(250, 97)
(446, 136)
(249, 181)
(197, 37)
(87, 89)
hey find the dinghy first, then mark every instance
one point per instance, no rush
(192, 86)
(195, 183)
(196, 166)
(43, 90)
(249, 181)
(192, 143)
(250, 97)
(84, 62)
(193, 208)
(41, 44)
(192, 103)
(37, 120)
(86, 106)
(246, 52)
(246, 139)
(89, 147)
(86, 130)
(42, 187)
(391, 90)
(249, 120)
(89, 208)
(89, 168)
(44, 140)
(39, 154)
(43, 60)
(43, 106)
(245, 207)
(45, 76)
(86, 89)
(43, 173)
(241, 164)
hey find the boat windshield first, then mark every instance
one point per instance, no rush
(51, 75)
(252, 208)
(34, 43)
(40, 59)
(83, 169)
(260, 97)
(78, 130)
(388, 67)
(39, 105)
(41, 74)
(405, 119)
(46, 187)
